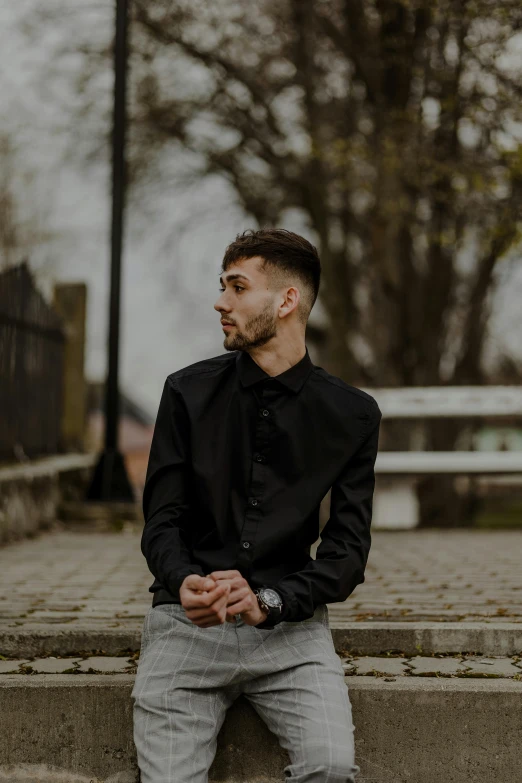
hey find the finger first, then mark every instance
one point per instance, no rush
(204, 612)
(224, 574)
(244, 605)
(235, 596)
(197, 582)
(207, 610)
(236, 588)
(206, 599)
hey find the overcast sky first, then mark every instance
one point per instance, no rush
(170, 274)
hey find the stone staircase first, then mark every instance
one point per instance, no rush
(434, 701)
(429, 718)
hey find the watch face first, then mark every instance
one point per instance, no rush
(271, 597)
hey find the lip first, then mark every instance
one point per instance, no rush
(227, 326)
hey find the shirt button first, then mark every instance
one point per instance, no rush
(246, 544)
(265, 412)
(253, 502)
(259, 458)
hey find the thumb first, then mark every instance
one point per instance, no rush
(196, 582)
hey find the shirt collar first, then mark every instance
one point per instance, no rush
(250, 372)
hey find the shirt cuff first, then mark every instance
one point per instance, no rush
(270, 622)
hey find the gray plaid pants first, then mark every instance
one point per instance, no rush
(188, 677)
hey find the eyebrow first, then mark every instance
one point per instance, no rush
(235, 276)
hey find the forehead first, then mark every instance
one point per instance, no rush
(246, 269)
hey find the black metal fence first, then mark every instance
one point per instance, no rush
(31, 368)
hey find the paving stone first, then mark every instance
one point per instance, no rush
(367, 665)
(43, 620)
(348, 665)
(424, 666)
(11, 666)
(504, 667)
(104, 664)
(49, 616)
(52, 665)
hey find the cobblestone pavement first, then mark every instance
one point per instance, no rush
(439, 575)
(101, 580)
(374, 666)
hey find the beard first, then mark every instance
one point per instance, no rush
(259, 330)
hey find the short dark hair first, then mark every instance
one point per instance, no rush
(284, 255)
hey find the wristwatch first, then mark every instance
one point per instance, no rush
(269, 600)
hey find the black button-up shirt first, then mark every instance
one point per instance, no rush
(239, 464)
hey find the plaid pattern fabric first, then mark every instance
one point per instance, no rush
(188, 677)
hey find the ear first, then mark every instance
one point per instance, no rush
(292, 297)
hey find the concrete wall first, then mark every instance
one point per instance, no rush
(31, 492)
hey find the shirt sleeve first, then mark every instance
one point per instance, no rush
(165, 502)
(345, 540)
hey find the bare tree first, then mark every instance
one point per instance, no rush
(391, 125)
(22, 224)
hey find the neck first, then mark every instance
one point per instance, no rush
(276, 358)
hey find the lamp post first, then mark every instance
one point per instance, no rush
(110, 480)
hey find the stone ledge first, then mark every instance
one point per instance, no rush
(31, 492)
(423, 729)
(46, 466)
(79, 637)
(416, 638)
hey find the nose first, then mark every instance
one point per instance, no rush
(219, 306)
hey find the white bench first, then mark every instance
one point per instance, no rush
(395, 501)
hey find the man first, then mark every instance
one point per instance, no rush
(246, 445)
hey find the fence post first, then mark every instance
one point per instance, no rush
(70, 301)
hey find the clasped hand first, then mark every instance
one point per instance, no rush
(218, 597)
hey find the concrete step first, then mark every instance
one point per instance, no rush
(77, 728)
(70, 635)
